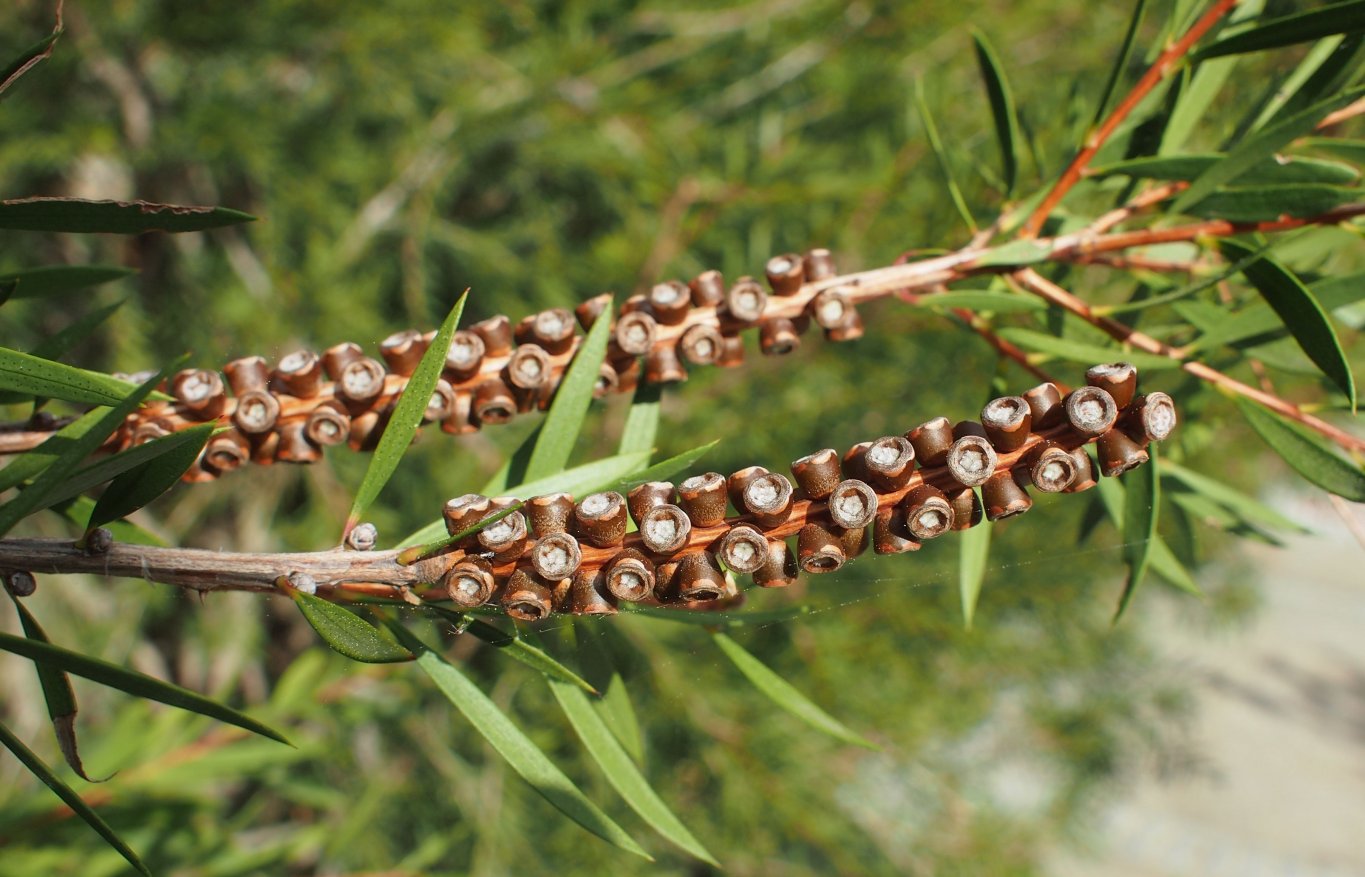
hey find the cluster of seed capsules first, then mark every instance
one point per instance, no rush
(557, 555)
(493, 369)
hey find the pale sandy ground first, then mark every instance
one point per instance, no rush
(1280, 723)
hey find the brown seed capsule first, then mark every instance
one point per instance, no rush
(735, 484)
(966, 506)
(588, 312)
(493, 402)
(556, 556)
(890, 461)
(890, 535)
(664, 529)
(607, 381)
(1118, 379)
(1090, 411)
(785, 273)
(849, 329)
(256, 412)
(743, 549)
(226, 451)
(403, 350)
(854, 462)
(150, 430)
(1118, 453)
(778, 336)
(703, 497)
(459, 420)
(830, 307)
(298, 374)
(505, 537)
(928, 513)
(818, 550)
(553, 330)
(854, 542)
(731, 352)
(643, 497)
(20, 582)
(470, 582)
(931, 441)
(600, 519)
(701, 344)
(263, 448)
(697, 578)
(745, 301)
(670, 302)
(465, 354)
(249, 373)
(549, 513)
(663, 367)
(336, 357)
(1008, 422)
(528, 368)
(627, 374)
(1085, 472)
(779, 568)
(465, 511)
(1051, 468)
(589, 594)
(360, 383)
(496, 334)
(971, 460)
(295, 446)
(1150, 418)
(818, 264)
(362, 537)
(852, 505)
(630, 576)
(200, 393)
(527, 598)
(1045, 405)
(634, 333)
(1004, 497)
(328, 424)
(441, 403)
(708, 289)
(817, 473)
(768, 498)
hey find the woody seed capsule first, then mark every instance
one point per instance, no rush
(818, 264)
(743, 549)
(745, 301)
(817, 474)
(588, 312)
(1004, 496)
(556, 556)
(739, 480)
(785, 273)
(493, 402)
(294, 446)
(830, 307)
(505, 537)
(600, 519)
(931, 441)
(465, 354)
(971, 460)
(768, 498)
(527, 598)
(1045, 405)
(698, 579)
(298, 374)
(731, 352)
(818, 550)
(779, 569)
(703, 497)
(470, 582)
(627, 373)
(852, 504)
(336, 357)
(553, 330)
(644, 497)
(249, 373)
(256, 412)
(890, 461)
(634, 333)
(1151, 418)
(1118, 453)
(670, 302)
(662, 366)
(702, 344)
(360, 382)
(496, 334)
(403, 350)
(854, 463)
(966, 506)
(778, 336)
(465, 511)
(227, 451)
(890, 535)
(1008, 422)
(1085, 472)
(327, 425)
(589, 594)
(708, 289)
(200, 393)
(607, 381)
(1090, 411)
(528, 368)
(850, 328)
(549, 513)
(459, 420)
(630, 576)
(664, 529)
(263, 448)
(1119, 379)
(441, 403)
(928, 513)
(1051, 468)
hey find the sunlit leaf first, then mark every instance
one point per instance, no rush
(1268, 171)
(642, 420)
(57, 693)
(974, 548)
(347, 633)
(1305, 453)
(782, 693)
(34, 376)
(112, 217)
(982, 300)
(1235, 501)
(29, 464)
(562, 424)
(1159, 555)
(1300, 27)
(28, 59)
(1120, 62)
(1080, 351)
(57, 280)
(514, 647)
(599, 665)
(1268, 203)
(1351, 150)
(1192, 108)
(944, 158)
(1002, 108)
(665, 469)
(145, 482)
(1014, 253)
(1141, 502)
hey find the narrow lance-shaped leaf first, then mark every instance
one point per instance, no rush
(1268, 203)
(1302, 315)
(1246, 507)
(28, 465)
(1080, 351)
(642, 420)
(600, 668)
(944, 161)
(513, 471)
(347, 633)
(982, 300)
(54, 280)
(28, 59)
(1141, 502)
(514, 746)
(107, 468)
(7, 288)
(665, 469)
(1287, 30)
(1002, 108)
(1120, 62)
(1271, 170)
(559, 432)
(38, 768)
(33, 376)
(57, 693)
(140, 485)
(974, 548)
(514, 647)
(1305, 454)
(782, 693)
(56, 346)
(407, 415)
(1160, 557)
(134, 683)
(1208, 80)
(112, 217)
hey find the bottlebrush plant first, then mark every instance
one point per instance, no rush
(1229, 254)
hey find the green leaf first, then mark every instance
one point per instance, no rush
(621, 772)
(781, 692)
(1255, 148)
(57, 692)
(1301, 313)
(1271, 170)
(145, 482)
(982, 300)
(407, 416)
(108, 468)
(1141, 501)
(564, 421)
(944, 159)
(112, 217)
(57, 345)
(515, 747)
(1287, 30)
(28, 59)
(29, 464)
(713, 619)
(347, 633)
(1268, 203)
(1350, 150)
(1120, 62)
(642, 420)
(1160, 557)
(40, 492)
(77, 510)
(1014, 253)
(1298, 87)
(1209, 78)
(69, 797)
(600, 668)
(1080, 351)
(57, 280)
(1258, 321)
(1002, 108)
(665, 469)
(134, 683)
(1305, 454)
(513, 471)
(974, 548)
(1246, 507)
(7, 288)
(514, 647)
(34, 376)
